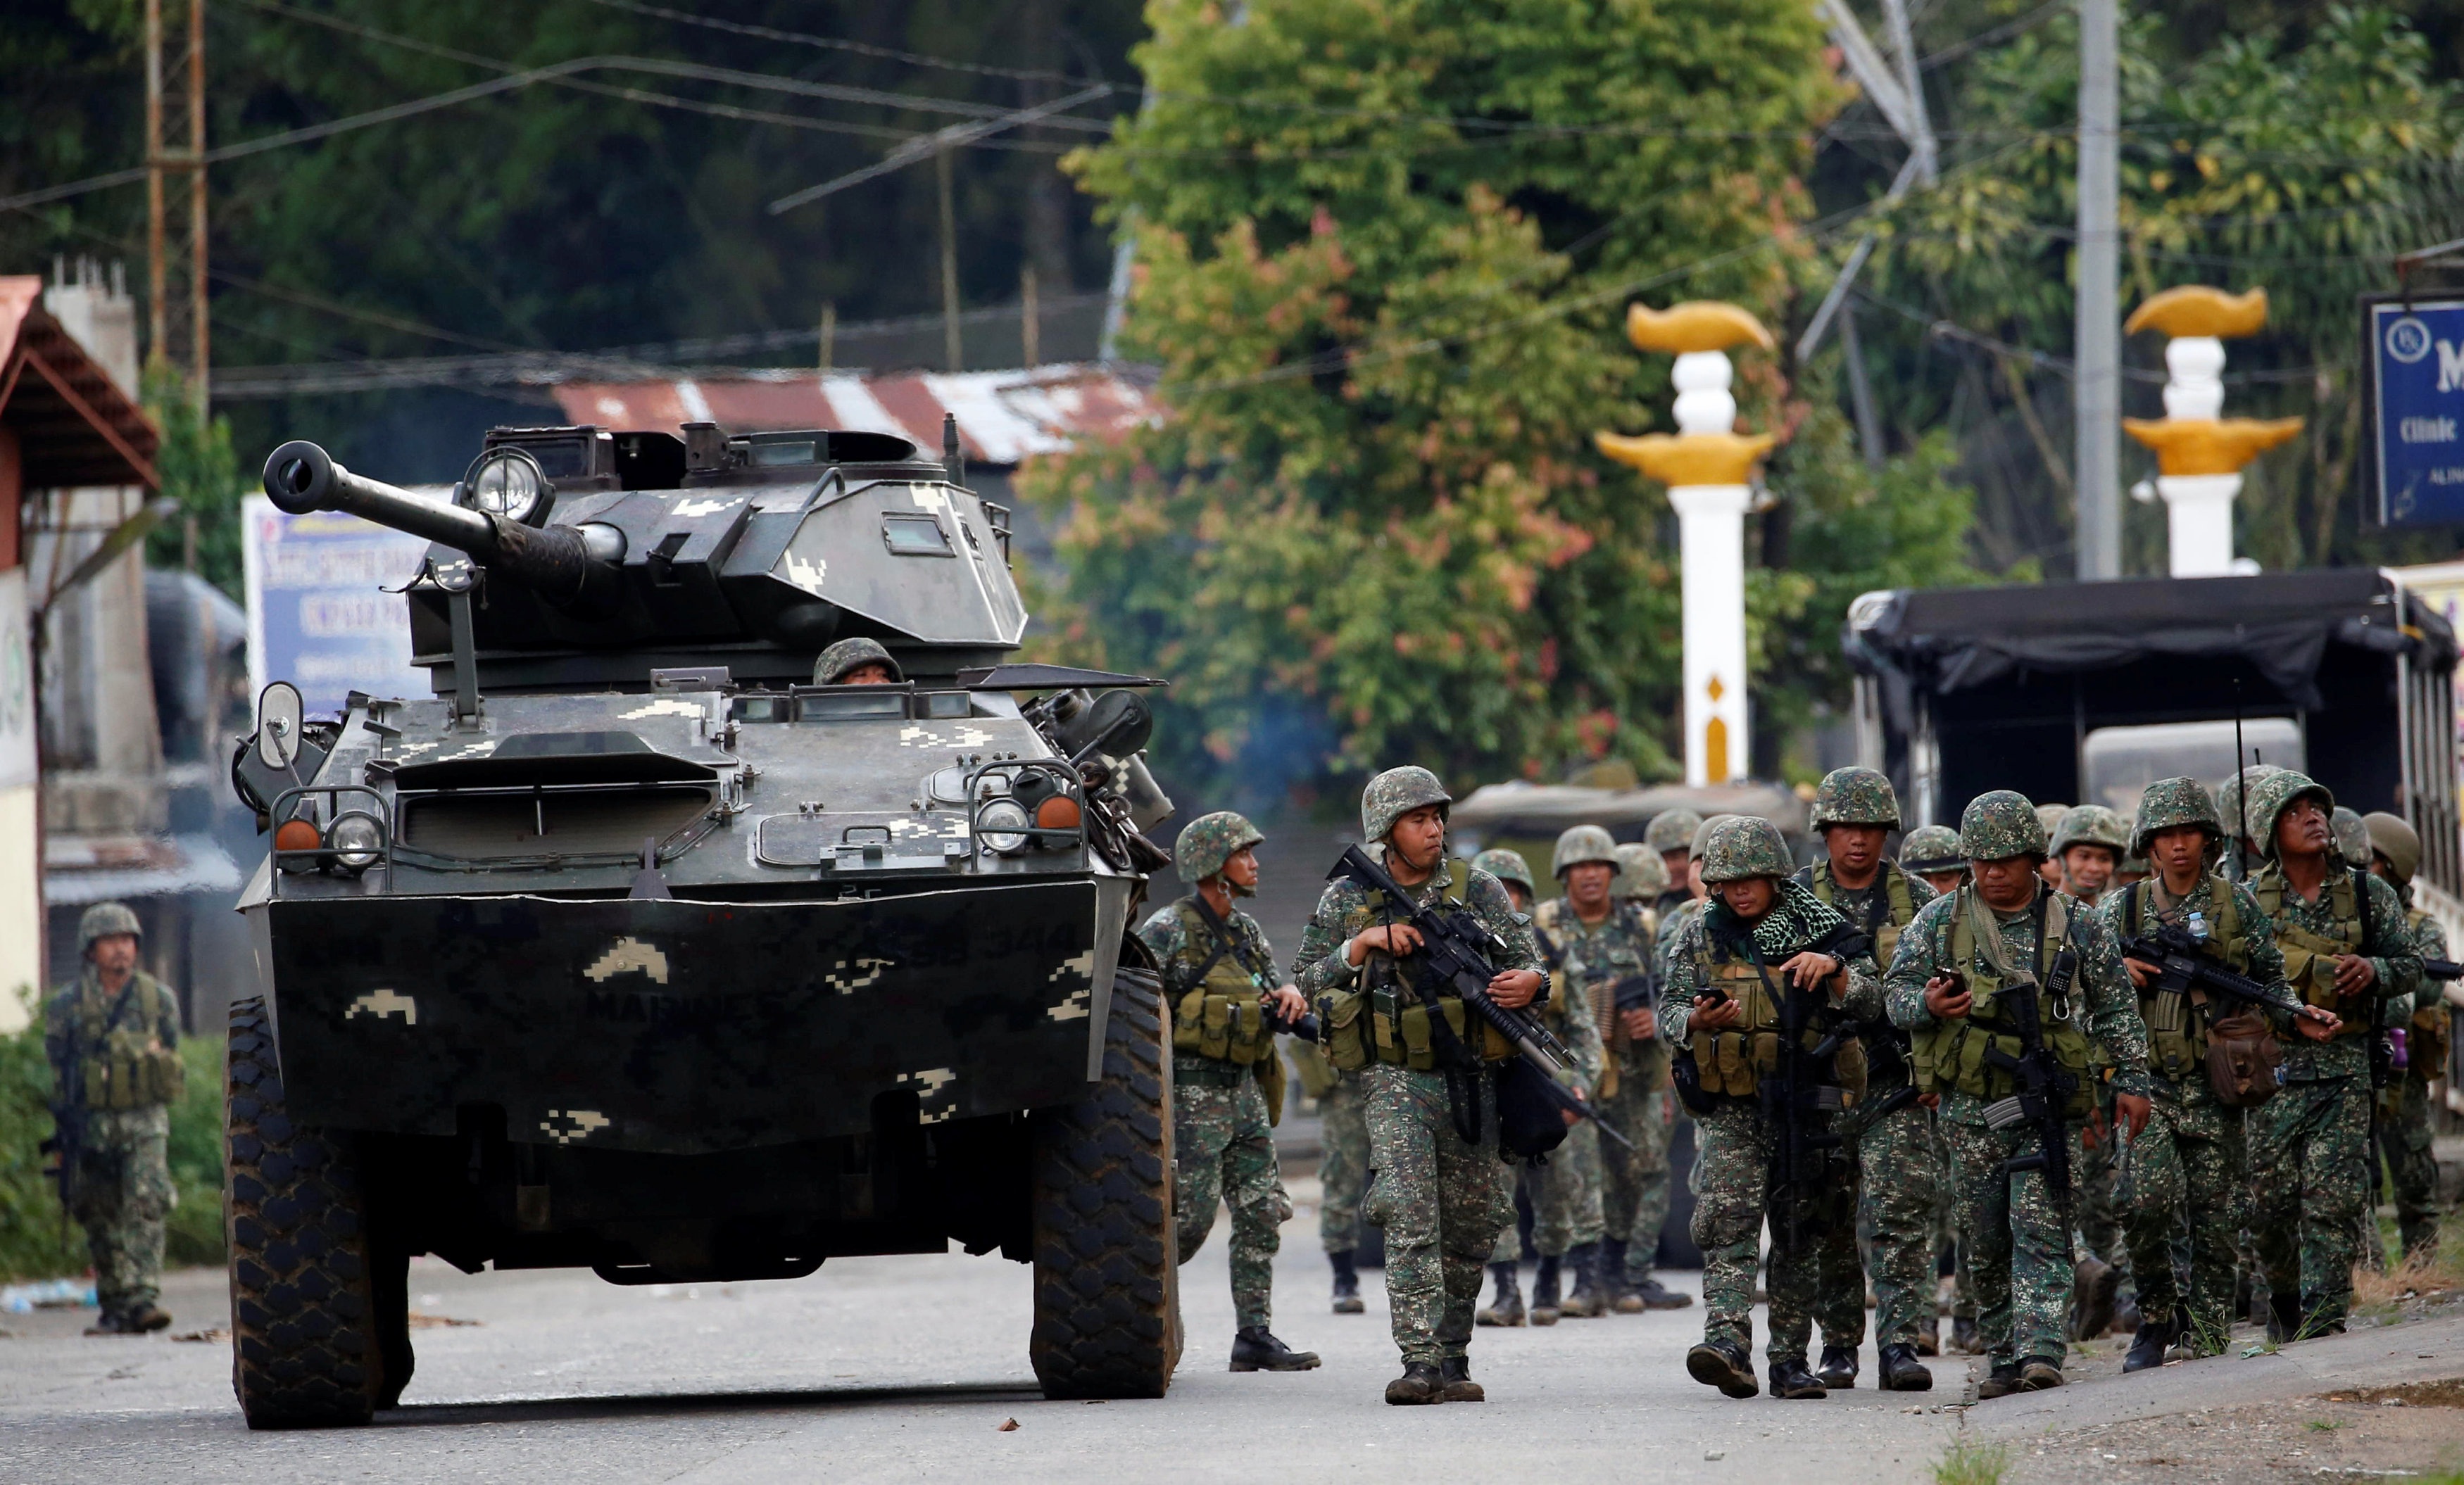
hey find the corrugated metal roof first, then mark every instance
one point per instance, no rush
(1004, 416)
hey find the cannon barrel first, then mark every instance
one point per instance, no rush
(568, 567)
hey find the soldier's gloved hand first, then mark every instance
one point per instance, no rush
(2132, 1110)
(1514, 989)
(2354, 975)
(2317, 1023)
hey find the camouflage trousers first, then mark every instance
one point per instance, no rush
(1892, 1238)
(1734, 1182)
(1342, 1164)
(1633, 1186)
(2412, 1171)
(123, 1192)
(2099, 1214)
(2309, 1182)
(2188, 1169)
(1947, 1236)
(1565, 1198)
(2019, 1244)
(1224, 1153)
(1442, 1202)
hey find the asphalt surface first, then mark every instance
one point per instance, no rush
(908, 1368)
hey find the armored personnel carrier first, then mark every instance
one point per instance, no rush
(632, 949)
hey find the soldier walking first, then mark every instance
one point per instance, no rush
(1227, 1079)
(1930, 853)
(2346, 949)
(1440, 1197)
(1671, 835)
(2189, 1167)
(1763, 939)
(1854, 811)
(2404, 1105)
(1633, 1197)
(2088, 845)
(1949, 987)
(113, 1040)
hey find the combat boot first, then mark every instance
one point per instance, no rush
(2001, 1382)
(1505, 1303)
(1585, 1302)
(1544, 1292)
(2094, 1284)
(117, 1322)
(2147, 1348)
(1838, 1369)
(1459, 1388)
(1346, 1284)
(2126, 1314)
(1421, 1382)
(1622, 1295)
(1963, 1334)
(1929, 1337)
(1791, 1380)
(2040, 1373)
(1722, 1366)
(1255, 1348)
(1900, 1370)
(1656, 1296)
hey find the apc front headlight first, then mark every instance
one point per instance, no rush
(356, 841)
(506, 482)
(1002, 825)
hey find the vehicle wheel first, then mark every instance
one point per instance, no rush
(1107, 1291)
(304, 1341)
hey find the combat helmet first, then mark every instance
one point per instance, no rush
(1998, 824)
(2272, 795)
(2050, 815)
(1208, 842)
(1930, 848)
(1738, 846)
(2352, 837)
(1581, 844)
(2170, 802)
(1702, 834)
(2091, 824)
(102, 920)
(1394, 794)
(847, 655)
(1672, 830)
(2228, 797)
(1507, 866)
(1856, 796)
(2393, 838)
(1640, 871)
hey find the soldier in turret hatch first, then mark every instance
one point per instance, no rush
(856, 662)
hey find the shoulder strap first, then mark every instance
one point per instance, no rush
(2220, 897)
(1226, 940)
(1817, 878)
(1903, 902)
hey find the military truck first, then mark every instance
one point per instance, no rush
(632, 949)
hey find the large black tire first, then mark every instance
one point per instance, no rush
(305, 1350)
(1106, 1288)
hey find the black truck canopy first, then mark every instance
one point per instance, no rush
(1964, 689)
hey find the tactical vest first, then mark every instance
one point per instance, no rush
(1895, 889)
(1382, 1017)
(1949, 1055)
(1599, 992)
(1732, 1063)
(2177, 1030)
(1220, 1011)
(2310, 958)
(2429, 1023)
(120, 1066)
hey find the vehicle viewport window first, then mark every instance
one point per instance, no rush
(915, 535)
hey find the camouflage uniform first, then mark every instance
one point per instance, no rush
(1737, 1177)
(2020, 1242)
(1897, 1184)
(2404, 1104)
(1439, 1200)
(115, 1054)
(2190, 1167)
(1671, 830)
(1566, 1191)
(1343, 1159)
(2309, 1145)
(1924, 852)
(847, 655)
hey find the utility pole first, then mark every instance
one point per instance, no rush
(949, 266)
(829, 334)
(1029, 329)
(175, 142)
(2098, 336)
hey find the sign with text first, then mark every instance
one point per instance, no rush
(318, 612)
(2416, 369)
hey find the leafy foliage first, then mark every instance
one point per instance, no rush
(198, 469)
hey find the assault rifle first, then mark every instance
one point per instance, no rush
(1460, 955)
(2176, 950)
(2045, 1090)
(2442, 969)
(1796, 1099)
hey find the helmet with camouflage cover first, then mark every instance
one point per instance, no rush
(1856, 796)
(2091, 824)
(104, 920)
(1738, 846)
(1672, 830)
(1580, 845)
(1507, 866)
(1394, 794)
(1208, 842)
(1642, 872)
(2352, 837)
(1702, 834)
(848, 654)
(2228, 797)
(2393, 838)
(1930, 848)
(2170, 802)
(2274, 794)
(1998, 824)
(2050, 815)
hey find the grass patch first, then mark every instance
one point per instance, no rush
(1968, 1463)
(2324, 1425)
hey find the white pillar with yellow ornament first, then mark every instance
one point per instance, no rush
(2199, 454)
(1706, 465)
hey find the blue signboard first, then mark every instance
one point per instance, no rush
(2417, 371)
(318, 615)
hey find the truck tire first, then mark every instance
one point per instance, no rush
(1106, 1287)
(304, 1341)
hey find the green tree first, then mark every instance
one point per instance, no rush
(198, 469)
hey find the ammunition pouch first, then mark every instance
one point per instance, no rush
(2428, 1056)
(1343, 1029)
(2243, 1059)
(140, 1078)
(2310, 958)
(1232, 1028)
